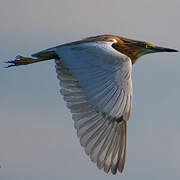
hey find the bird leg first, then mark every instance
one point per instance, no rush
(21, 60)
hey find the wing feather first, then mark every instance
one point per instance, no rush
(96, 83)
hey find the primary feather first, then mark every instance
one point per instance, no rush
(96, 83)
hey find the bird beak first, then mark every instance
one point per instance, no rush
(162, 49)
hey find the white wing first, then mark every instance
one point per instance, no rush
(96, 84)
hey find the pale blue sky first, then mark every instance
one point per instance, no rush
(37, 138)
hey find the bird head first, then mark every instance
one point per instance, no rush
(135, 49)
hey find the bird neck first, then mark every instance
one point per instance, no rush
(132, 54)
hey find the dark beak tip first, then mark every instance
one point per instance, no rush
(172, 50)
(160, 49)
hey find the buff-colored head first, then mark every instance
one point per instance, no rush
(135, 49)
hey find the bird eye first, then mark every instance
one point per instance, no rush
(148, 46)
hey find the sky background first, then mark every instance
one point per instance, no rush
(37, 137)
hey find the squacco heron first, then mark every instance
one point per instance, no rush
(95, 80)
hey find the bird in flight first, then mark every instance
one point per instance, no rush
(95, 80)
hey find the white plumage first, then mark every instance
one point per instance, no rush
(95, 81)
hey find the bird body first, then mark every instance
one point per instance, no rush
(95, 81)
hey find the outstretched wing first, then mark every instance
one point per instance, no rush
(95, 81)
